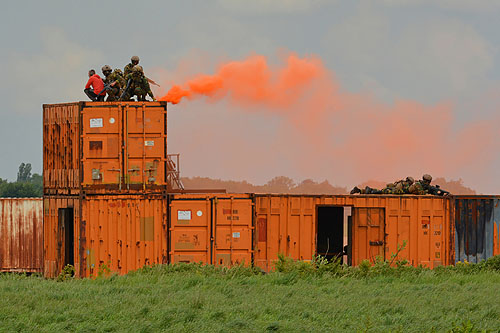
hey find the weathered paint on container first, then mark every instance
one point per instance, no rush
(61, 234)
(477, 225)
(21, 235)
(212, 229)
(104, 147)
(123, 233)
(371, 226)
(116, 232)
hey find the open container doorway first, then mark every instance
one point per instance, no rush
(334, 232)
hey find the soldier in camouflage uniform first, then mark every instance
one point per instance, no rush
(366, 190)
(115, 81)
(399, 187)
(421, 187)
(134, 61)
(137, 85)
(406, 186)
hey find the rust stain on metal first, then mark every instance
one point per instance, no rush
(21, 235)
(476, 221)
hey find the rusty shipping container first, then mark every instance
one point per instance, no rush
(120, 233)
(477, 227)
(21, 235)
(212, 229)
(353, 228)
(104, 147)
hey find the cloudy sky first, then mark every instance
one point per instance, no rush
(418, 81)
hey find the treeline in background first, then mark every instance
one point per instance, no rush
(27, 185)
(282, 184)
(31, 185)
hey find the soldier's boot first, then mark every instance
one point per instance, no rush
(355, 190)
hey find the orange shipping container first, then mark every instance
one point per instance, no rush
(104, 146)
(120, 233)
(212, 229)
(353, 228)
(21, 235)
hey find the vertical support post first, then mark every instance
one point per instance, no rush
(143, 146)
(231, 231)
(127, 178)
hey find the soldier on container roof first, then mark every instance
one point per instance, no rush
(137, 85)
(97, 92)
(399, 187)
(114, 81)
(134, 61)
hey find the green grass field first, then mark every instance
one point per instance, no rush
(299, 298)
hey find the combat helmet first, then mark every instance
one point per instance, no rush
(427, 177)
(137, 69)
(134, 59)
(106, 68)
(410, 180)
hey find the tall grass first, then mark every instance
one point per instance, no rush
(316, 296)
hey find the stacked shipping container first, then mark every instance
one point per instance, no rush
(105, 179)
(106, 204)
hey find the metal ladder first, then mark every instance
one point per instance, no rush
(173, 172)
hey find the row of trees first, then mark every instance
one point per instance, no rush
(27, 185)
(31, 185)
(280, 184)
(284, 184)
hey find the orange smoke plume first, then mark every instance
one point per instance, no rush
(327, 132)
(251, 81)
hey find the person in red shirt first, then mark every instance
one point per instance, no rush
(97, 92)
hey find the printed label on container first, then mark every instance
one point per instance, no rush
(183, 215)
(236, 235)
(96, 122)
(149, 143)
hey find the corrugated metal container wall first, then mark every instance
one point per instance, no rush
(477, 225)
(213, 229)
(21, 235)
(105, 147)
(61, 148)
(123, 232)
(353, 227)
(61, 234)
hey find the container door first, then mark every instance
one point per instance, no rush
(101, 145)
(65, 238)
(145, 145)
(190, 231)
(368, 234)
(232, 231)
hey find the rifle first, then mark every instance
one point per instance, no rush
(129, 82)
(106, 88)
(436, 190)
(152, 82)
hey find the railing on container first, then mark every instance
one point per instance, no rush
(173, 172)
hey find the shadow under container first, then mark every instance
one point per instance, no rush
(104, 233)
(104, 147)
(21, 235)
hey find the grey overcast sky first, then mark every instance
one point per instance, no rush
(430, 52)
